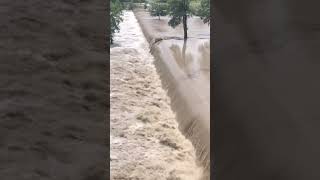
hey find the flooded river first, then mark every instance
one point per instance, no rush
(145, 141)
(184, 68)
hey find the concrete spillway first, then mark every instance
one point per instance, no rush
(145, 141)
(184, 68)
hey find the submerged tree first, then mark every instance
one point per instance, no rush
(115, 14)
(179, 10)
(158, 8)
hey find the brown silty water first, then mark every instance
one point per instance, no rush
(186, 80)
(184, 68)
(144, 136)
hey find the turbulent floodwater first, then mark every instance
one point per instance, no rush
(184, 68)
(144, 136)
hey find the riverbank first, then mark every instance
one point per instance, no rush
(53, 90)
(144, 136)
(184, 67)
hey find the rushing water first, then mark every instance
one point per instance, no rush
(182, 65)
(192, 56)
(184, 68)
(130, 35)
(136, 148)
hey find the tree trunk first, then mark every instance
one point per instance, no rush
(185, 26)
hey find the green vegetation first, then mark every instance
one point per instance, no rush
(131, 4)
(115, 13)
(204, 11)
(158, 8)
(133, 1)
(194, 6)
(179, 10)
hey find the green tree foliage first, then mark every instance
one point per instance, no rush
(194, 6)
(158, 8)
(133, 1)
(115, 14)
(179, 10)
(204, 11)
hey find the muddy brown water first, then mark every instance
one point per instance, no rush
(187, 84)
(138, 82)
(184, 68)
